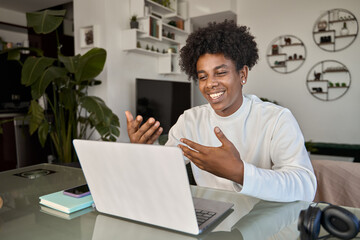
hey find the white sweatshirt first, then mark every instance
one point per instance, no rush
(276, 164)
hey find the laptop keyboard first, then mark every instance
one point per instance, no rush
(202, 216)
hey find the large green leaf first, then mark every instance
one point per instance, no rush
(14, 54)
(91, 64)
(111, 131)
(33, 68)
(71, 63)
(49, 75)
(43, 132)
(101, 117)
(45, 21)
(68, 99)
(96, 106)
(36, 113)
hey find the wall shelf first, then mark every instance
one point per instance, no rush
(13, 27)
(160, 9)
(326, 43)
(346, 36)
(286, 54)
(328, 80)
(146, 52)
(335, 30)
(292, 44)
(176, 29)
(155, 33)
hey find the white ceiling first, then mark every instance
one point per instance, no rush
(30, 5)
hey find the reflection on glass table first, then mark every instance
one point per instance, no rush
(265, 220)
(22, 216)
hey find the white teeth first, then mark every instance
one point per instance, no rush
(216, 95)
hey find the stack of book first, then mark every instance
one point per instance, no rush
(180, 24)
(154, 28)
(65, 204)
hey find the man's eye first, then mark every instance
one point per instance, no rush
(221, 73)
(202, 77)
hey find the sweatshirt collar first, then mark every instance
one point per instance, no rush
(240, 110)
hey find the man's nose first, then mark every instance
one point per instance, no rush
(211, 82)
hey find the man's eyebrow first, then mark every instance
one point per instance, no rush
(215, 68)
(221, 66)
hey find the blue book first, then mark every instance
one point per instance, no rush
(65, 203)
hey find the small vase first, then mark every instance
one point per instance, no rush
(134, 24)
(344, 30)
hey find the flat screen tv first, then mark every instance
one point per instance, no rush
(162, 99)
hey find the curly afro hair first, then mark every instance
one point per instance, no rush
(236, 43)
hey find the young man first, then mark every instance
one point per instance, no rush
(236, 142)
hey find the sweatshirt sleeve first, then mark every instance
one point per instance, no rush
(175, 133)
(291, 177)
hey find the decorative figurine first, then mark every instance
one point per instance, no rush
(287, 41)
(317, 76)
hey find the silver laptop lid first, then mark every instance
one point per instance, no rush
(146, 183)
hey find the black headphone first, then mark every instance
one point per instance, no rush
(338, 221)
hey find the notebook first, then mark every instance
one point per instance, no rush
(64, 203)
(63, 215)
(145, 183)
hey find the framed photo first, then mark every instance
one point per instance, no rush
(89, 37)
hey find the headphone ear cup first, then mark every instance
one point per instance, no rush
(309, 223)
(301, 226)
(339, 222)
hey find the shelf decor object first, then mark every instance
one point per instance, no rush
(328, 80)
(335, 30)
(286, 54)
(89, 36)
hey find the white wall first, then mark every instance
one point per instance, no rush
(13, 17)
(202, 7)
(333, 121)
(122, 68)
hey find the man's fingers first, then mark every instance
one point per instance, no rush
(146, 133)
(221, 136)
(189, 153)
(138, 120)
(148, 129)
(193, 159)
(193, 145)
(129, 117)
(155, 136)
(132, 125)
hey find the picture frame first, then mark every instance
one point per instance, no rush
(89, 36)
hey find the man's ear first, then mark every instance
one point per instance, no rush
(244, 74)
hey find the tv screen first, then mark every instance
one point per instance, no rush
(163, 100)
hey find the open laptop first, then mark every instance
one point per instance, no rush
(145, 183)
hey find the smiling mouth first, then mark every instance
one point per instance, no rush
(215, 96)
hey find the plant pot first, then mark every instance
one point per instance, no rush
(134, 24)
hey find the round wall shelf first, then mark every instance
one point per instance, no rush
(328, 80)
(286, 54)
(335, 30)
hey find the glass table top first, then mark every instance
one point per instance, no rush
(22, 217)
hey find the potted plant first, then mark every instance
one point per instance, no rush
(166, 3)
(71, 114)
(275, 49)
(310, 147)
(133, 22)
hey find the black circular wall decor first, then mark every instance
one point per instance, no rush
(335, 30)
(328, 80)
(286, 54)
